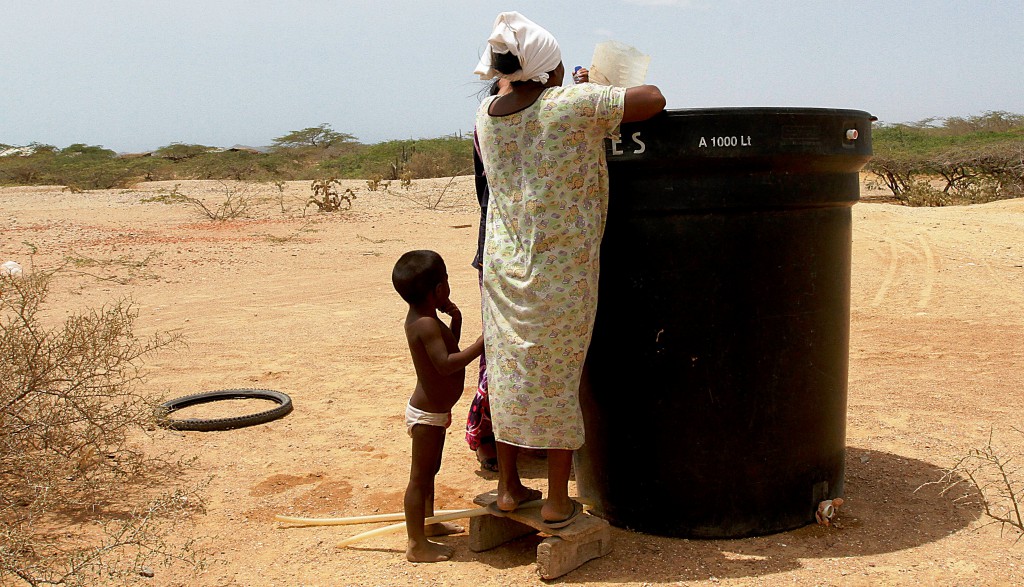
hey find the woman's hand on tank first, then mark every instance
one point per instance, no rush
(642, 102)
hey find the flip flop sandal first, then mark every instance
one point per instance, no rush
(488, 464)
(577, 509)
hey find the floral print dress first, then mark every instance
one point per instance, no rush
(548, 180)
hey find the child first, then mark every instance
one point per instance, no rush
(422, 280)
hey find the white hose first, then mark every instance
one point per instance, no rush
(457, 515)
(436, 519)
(351, 520)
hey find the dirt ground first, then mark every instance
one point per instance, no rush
(303, 304)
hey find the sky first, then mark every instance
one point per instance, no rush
(135, 75)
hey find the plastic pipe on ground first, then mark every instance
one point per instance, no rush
(352, 520)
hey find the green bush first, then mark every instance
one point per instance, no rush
(78, 166)
(979, 159)
(438, 157)
(236, 165)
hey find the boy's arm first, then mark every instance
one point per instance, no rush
(428, 331)
(456, 327)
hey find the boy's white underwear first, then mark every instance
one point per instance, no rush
(414, 416)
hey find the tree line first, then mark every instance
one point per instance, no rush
(933, 162)
(314, 152)
(939, 162)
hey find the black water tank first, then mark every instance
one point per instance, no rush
(715, 398)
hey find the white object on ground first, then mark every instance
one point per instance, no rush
(826, 510)
(11, 268)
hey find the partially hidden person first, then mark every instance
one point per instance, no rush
(543, 153)
(421, 278)
(479, 433)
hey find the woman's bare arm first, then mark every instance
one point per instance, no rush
(642, 102)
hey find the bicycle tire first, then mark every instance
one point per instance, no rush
(165, 409)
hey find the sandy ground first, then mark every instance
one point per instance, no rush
(303, 304)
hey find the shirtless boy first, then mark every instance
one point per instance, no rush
(422, 280)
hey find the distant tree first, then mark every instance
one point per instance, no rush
(41, 148)
(83, 150)
(320, 137)
(180, 151)
(991, 121)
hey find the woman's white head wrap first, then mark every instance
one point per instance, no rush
(536, 49)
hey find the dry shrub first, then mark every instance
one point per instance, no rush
(78, 500)
(326, 196)
(376, 182)
(990, 477)
(974, 190)
(989, 190)
(406, 179)
(438, 164)
(922, 194)
(236, 203)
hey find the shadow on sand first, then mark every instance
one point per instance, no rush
(888, 508)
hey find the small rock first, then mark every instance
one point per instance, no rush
(146, 572)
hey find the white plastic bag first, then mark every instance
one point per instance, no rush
(11, 268)
(618, 64)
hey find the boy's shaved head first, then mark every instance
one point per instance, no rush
(416, 274)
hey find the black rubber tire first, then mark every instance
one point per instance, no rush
(210, 424)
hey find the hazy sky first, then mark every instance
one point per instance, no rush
(135, 75)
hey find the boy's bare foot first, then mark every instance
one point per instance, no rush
(509, 500)
(443, 529)
(428, 552)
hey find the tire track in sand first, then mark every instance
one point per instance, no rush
(930, 271)
(890, 274)
(898, 250)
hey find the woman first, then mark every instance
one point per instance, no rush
(542, 147)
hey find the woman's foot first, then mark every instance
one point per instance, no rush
(559, 515)
(510, 500)
(428, 552)
(443, 529)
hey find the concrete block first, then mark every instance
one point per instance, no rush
(565, 549)
(486, 532)
(557, 556)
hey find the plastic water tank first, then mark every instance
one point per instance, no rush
(715, 397)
